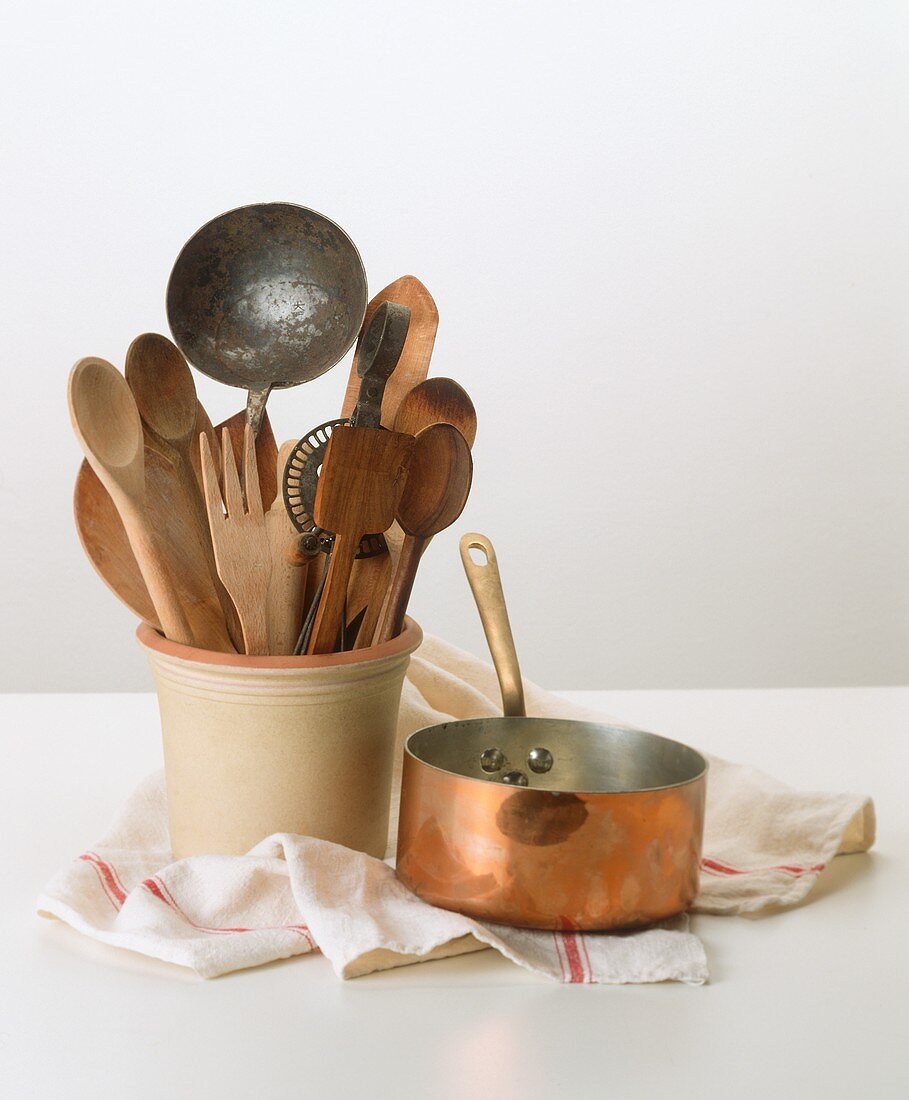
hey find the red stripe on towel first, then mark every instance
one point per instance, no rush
(573, 954)
(724, 869)
(158, 888)
(108, 878)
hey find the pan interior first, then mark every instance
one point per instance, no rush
(586, 756)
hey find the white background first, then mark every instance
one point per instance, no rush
(668, 242)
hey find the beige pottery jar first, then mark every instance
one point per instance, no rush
(261, 745)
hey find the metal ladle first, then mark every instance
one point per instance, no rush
(265, 297)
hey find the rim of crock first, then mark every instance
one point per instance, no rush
(405, 642)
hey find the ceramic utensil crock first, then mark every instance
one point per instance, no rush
(259, 745)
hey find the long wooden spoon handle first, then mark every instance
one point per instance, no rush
(486, 585)
(157, 581)
(327, 626)
(401, 587)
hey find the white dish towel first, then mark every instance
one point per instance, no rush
(765, 845)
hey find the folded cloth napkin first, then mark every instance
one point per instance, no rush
(765, 845)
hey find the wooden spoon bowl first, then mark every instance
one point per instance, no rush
(437, 401)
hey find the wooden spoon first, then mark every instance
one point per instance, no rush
(438, 484)
(413, 365)
(360, 486)
(165, 394)
(107, 425)
(107, 547)
(437, 401)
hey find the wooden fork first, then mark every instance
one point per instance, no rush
(239, 536)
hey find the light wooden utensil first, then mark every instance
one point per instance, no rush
(106, 545)
(413, 365)
(363, 475)
(239, 537)
(437, 401)
(109, 430)
(289, 571)
(203, 424)
(165, 394)
(438, 484)
(266, 451)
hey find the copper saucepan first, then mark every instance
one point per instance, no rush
(542, 822)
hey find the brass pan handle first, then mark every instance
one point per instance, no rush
(486, 585)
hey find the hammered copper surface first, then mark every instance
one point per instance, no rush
(550, 858)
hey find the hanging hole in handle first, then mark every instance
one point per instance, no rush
(478, 554)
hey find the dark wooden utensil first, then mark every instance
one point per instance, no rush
(369, 580)
(437, 401)
(438, 484)
(363, 476)
(413, 364)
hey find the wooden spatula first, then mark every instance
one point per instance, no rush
(413, 365)
(239, 538)
(363, 476)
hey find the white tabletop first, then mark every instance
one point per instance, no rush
(808, 1002)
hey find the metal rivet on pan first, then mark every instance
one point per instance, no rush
(539, 760)
(492, 760)
(515, 779)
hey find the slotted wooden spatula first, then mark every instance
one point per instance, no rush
(363, 476)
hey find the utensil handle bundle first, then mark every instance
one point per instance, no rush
(327, 625)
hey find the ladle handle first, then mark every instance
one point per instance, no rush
(486, 585)
(255, 406)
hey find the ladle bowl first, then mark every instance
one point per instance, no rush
(266, 296)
